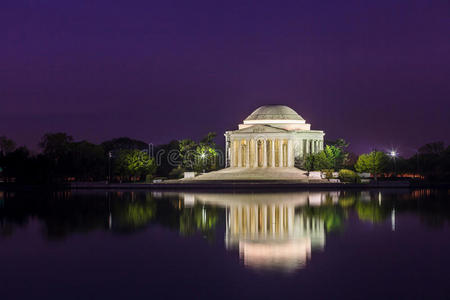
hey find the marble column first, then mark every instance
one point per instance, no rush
(247, 153)
(239, 153)
(300, 148)
(290, 150)
(264, 145)
(272, 155)
(231, 153)
(255, 163)
(280, 153)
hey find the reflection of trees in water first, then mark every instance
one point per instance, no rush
(199, 218)
(61, 213)
(432, 206)
(130, 211)
(64, 213)
(371, 211)
(333, 216)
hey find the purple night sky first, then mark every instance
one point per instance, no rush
(375, 73)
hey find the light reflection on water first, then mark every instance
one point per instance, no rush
(250, 245)
(277, 231)
(269, 230)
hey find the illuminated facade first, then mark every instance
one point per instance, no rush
(272, 136)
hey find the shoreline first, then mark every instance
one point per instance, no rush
(224, 185)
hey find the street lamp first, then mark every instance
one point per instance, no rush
(109, 166)
(393, 154)
(203, 155)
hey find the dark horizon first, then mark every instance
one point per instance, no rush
(375, 74)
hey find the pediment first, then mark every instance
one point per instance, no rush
(260, 129)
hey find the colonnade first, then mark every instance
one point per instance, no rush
(250, 152)
(261, 153)
(310, 146)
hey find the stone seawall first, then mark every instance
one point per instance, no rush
(238, 185)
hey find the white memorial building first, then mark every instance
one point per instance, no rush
(272, 136)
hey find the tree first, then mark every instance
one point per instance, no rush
(375, 163)
(187, 153)
(432, 148)
(205, 158)
(329, 158)
(432, 161)
(123, 143)
(15, 164)
(339, 148)
(199, 156)
(6, 145)
(86, 161)
(168, 158)
(206, 153)
(134, 163)
(55, 145)
(209, 139)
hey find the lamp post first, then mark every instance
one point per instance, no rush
(393, 154)
(109, 166)
(203, 155)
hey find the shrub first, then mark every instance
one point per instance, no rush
(328, 173)
(348, 176)
(148, 178)
(177, 173)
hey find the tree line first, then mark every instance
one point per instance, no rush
(430, 162)
(123, 159)
(127, 160)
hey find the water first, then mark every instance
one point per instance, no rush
(391, 244)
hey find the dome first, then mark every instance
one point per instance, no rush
(274, 112)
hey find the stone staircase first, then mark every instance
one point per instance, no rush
(252, 174)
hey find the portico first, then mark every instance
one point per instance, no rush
(272, 136)
(253, 150)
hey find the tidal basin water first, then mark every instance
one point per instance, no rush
(378, 244)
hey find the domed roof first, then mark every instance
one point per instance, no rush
(274, 112)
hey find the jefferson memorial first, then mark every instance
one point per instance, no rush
(272, 136)
(268, 145)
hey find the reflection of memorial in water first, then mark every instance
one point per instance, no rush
(270, 230)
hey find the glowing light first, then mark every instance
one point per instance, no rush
(393, 153)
